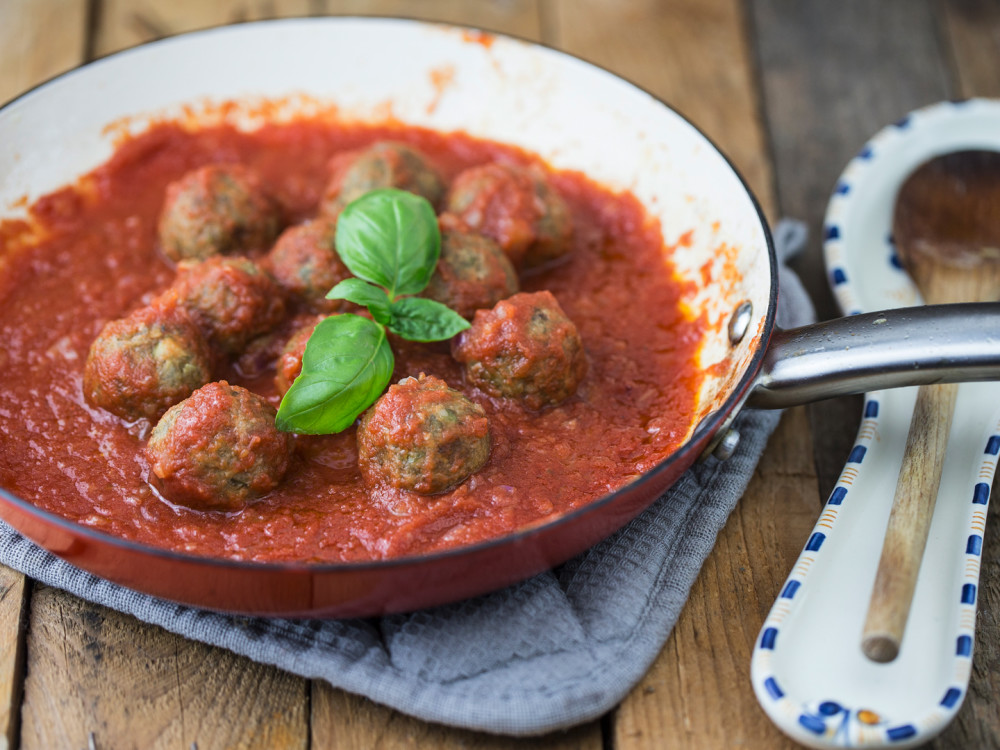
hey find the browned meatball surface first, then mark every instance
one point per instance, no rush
(218, 449)
(230, 298)
(524, 348)
(516, 207)
(215, 210)
(473, 273)
(141, 365)
(289, 363)
(305, 263)
(386, 164)
(422, 436)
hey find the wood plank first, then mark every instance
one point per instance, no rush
(14, 594)
(695, 55)
(98, 676)
(124, 23)
(343, 720)
(691, 54)
(972, 32)
(973, 37)
(698, 691)
(39, 40)
(833, 75)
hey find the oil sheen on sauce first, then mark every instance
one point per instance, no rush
(98, 260)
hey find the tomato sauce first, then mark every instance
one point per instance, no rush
(98, 259)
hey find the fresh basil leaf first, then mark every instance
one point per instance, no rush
(347, 364)
(362, 293)
(391, 238)
(419, 319)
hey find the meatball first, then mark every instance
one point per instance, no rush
(143, 364)
(524, 348)
(422, 436)
(305, 263)
(218, 449)
(473, 272)
(230, 298)
(215, 210)
(518, 208)
(290, 360)
(386, 164)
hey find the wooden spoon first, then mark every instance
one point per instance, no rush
(946, 226)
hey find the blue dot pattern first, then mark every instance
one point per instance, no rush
(964, 646)
(993, 445)
(768, 638)
(951, 697)
(812, 723)
(815, 542)
(903, 732)
(975, 545)
(969, 593)
(772, 688)
(981, 494)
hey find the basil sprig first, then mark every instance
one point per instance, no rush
(389, 239)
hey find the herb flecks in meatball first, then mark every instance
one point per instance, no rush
(143, 364)
(472, 274)
(516, 207)
(218, 449)
(289, 363)
(386, 164)
(524, 348)
(422, 436)
(218, 209)
(305, 263)
(230, 298)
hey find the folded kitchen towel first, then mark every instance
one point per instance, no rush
(556, 650)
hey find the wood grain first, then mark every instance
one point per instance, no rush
(94, 672)
(14, 594)
(39, 40)
(124, 23)
(343, 720)
(834, 74)
(973, 39)
(698, 695)
(692, 54)
(909, 522)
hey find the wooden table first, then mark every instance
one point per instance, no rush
(789, 89)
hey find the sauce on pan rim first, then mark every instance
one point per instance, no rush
(97, 259)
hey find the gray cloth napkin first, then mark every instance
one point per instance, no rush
(556, 650)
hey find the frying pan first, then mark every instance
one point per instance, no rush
(573, 114)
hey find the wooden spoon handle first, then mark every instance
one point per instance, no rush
(909, 522)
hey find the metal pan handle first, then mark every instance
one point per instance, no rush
(869, 352)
